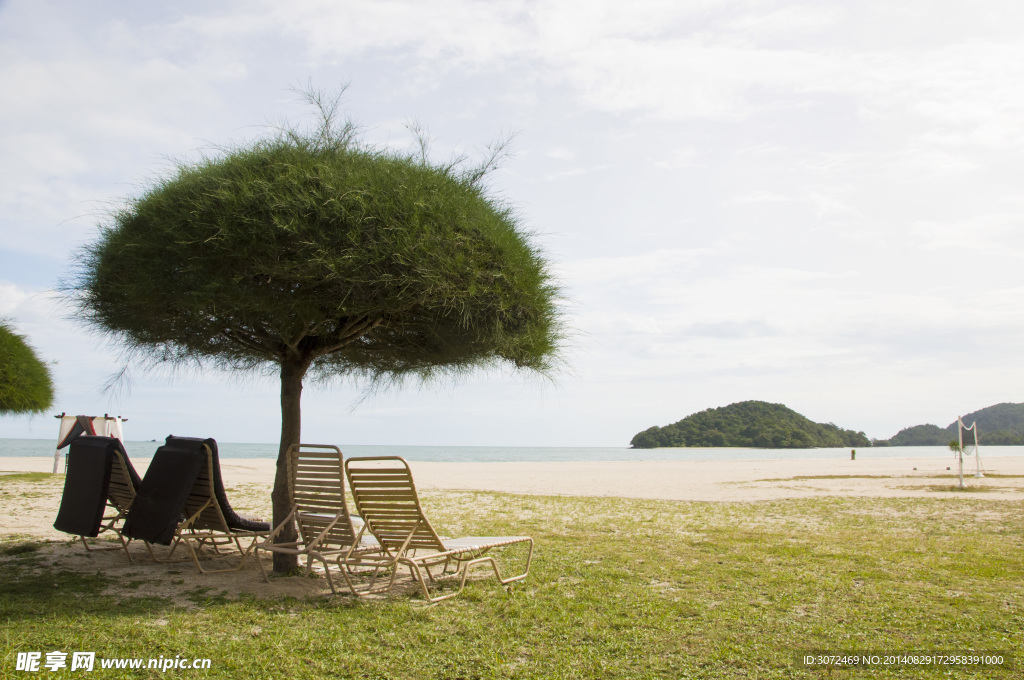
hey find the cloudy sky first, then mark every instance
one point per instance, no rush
(812, 203)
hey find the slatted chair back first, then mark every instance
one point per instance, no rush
(316, 482)
(123, 482)
(202, 500)
(385, 497)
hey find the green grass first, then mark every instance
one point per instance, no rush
(619, 589)
(19, 548)
(806, 478)
(40, 485)
(11, 477)
(956, 488)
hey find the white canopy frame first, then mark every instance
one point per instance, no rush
(104, 426)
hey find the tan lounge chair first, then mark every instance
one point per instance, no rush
(316, 485)
(385, 496)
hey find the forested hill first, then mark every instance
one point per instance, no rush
(749, 424)
(1002, 424)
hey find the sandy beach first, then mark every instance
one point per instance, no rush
(249, 481)
(724, 481)
(30, 506)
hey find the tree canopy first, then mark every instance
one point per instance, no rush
(1000, 425)
(351, 259)
(313, 253)
(25, 382)
(757, 424)
(922, 435)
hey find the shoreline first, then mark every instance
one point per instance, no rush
(723, 481)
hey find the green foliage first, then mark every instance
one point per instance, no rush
(922, 435)
(1004, 438)
(1000, 425)
(315, 249)
(312, 254)
(25, 382)
(749, 424)
(998, 418)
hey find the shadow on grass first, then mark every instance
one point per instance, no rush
(619, 589)
(33, 590)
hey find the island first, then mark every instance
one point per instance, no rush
(1000, 425)
(755, 424)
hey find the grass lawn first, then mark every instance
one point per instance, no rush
(619, 589)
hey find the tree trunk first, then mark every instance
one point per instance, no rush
(291, 431)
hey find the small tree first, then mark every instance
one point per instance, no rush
(309, 253)
(956, 447)
(25, 382)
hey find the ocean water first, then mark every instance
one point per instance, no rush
(483, 454)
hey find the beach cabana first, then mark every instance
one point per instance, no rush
(73, 427)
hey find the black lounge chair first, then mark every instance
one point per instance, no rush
(99, 476)
(182, 500)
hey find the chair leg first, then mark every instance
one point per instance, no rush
(243, 555)
(170, 553)
(123, 546)
(344, 565)
(520, 577)
(480, 557)
(413, 566)
(259, 563)
(327, 570)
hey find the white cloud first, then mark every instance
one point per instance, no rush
(562, 153)
(574, 172)
(11, 298)
(835, 204)
(679, 158)
(762, 197)
(994, 234)
(787, 21)
(831, 164)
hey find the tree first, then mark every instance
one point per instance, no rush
(25, 382)
(312, 255)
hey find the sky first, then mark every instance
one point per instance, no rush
(810, 203)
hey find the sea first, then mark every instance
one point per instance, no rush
(538, 454)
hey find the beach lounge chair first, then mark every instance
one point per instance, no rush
(385, 497)
(99, 488)
(316, 485)
(182, 500)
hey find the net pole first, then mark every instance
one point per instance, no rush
(960, 453)
(977, 451)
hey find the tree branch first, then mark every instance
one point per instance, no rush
(250, 343)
